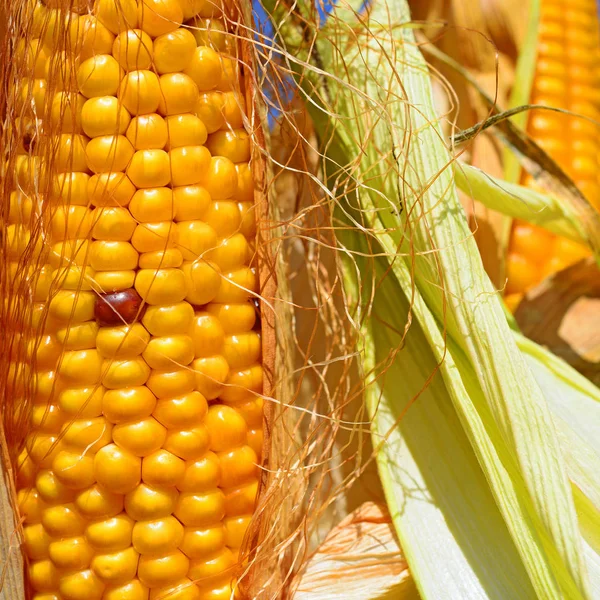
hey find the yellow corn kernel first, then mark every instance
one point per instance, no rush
(71, 553)
(51, 490)
(116, 17)
(82, 585)
(147, 132)
(110, 534)
(201, 543)
(139, 91)
(141, 438)
(162, 570)
(132, 49)
(185, 130)
(161, 259)
(89, 37)
(171, 383)
(125, 341)
(75, 471)
(221, 179)
(184, 589)
(117, 567)
(150, 168)
(133, 590)
(152, 205)
(161, 286)
(147, 503)
(201, 475)
(112, 255)
(117, 469)
(162, 469)
(181, 411)
(202, 280)
(196, 509)
(43, 576)
(113, 281)
(211, 373)
(173, 51)
(104, 116)
(63, 520)
(188, 163)
(205, 570)
(179, 94)
(99, 75)
(238, 466)
(99, 503)
(109, 153)
(190, 202)
(36, 541)
(187, 444)
(110, 189)
(161, 536)
(235, 530)
(241, 500)
(157, 17)
(205, 68)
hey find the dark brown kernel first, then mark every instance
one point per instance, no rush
(118, 308)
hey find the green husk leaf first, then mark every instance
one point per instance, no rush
(519, 202)
(388, 162)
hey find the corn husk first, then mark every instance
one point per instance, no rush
(472, 467)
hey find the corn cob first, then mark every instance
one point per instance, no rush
(139, 473)
(567, 77)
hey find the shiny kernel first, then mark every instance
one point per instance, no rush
(256, 440)
(66, 112)
(157, 17)
(230, 74)
(148, 132)
(139, 92)
(184, 589)
(78, 337)
(76, 471)
(211, 373)
(114, 281)
(185, 130)
(202, 543)
(179, 94)
(173, 51)
(109, 153)
(63, 521)
(202, 280)
(164, 384)
(209, 110)
(208, 334)
(161, 259)
(235, 529)
(83, 402)
(43, 448)
(226, 427)
(195, 239)
(181, 411)
(99, 76)
(245, 188)
(51, 490)
(239, 383)
(154, 237)
(241, 501)
(190, 202)
(238, 466)
(113, 223)
(155, 571)
(220, 179)
(36, 541)
(82, 585)
(152, 205)
(118, 470)
(147, 503)
(71, 553)
(168, 319)
(141, 438)
(209, 32)
(234, 318)
(81, 367)
(31, 506)
(231, 253)
(161, 286)
(47, 418)
(112, 256)
(117, 308)
(164, 353)
(89, 36)
(72, 306)
(104, 116)
(48, 596)
(132, 590)
(117, 567)
(205, 570)
(236, 287)
(126, 341)
(188, 164)
(161, 536)
(251, 409)
(150, 168)
(205, 68)
(116, 16)
(110, 534)
(132, 49)
(43, 576)
(224, 217)
(242, 350)
(200, 510)
(202, 474)
(25, 469)
(187, 444)
(162, 469)
(125, 373)
(110, 189)
(99, 503)
(70, 151)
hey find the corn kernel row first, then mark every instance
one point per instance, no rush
(567, 76)
(139, 474)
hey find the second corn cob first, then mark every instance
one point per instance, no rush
(139, 473)
(567, 76)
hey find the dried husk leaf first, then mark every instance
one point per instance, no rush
(360, 559)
